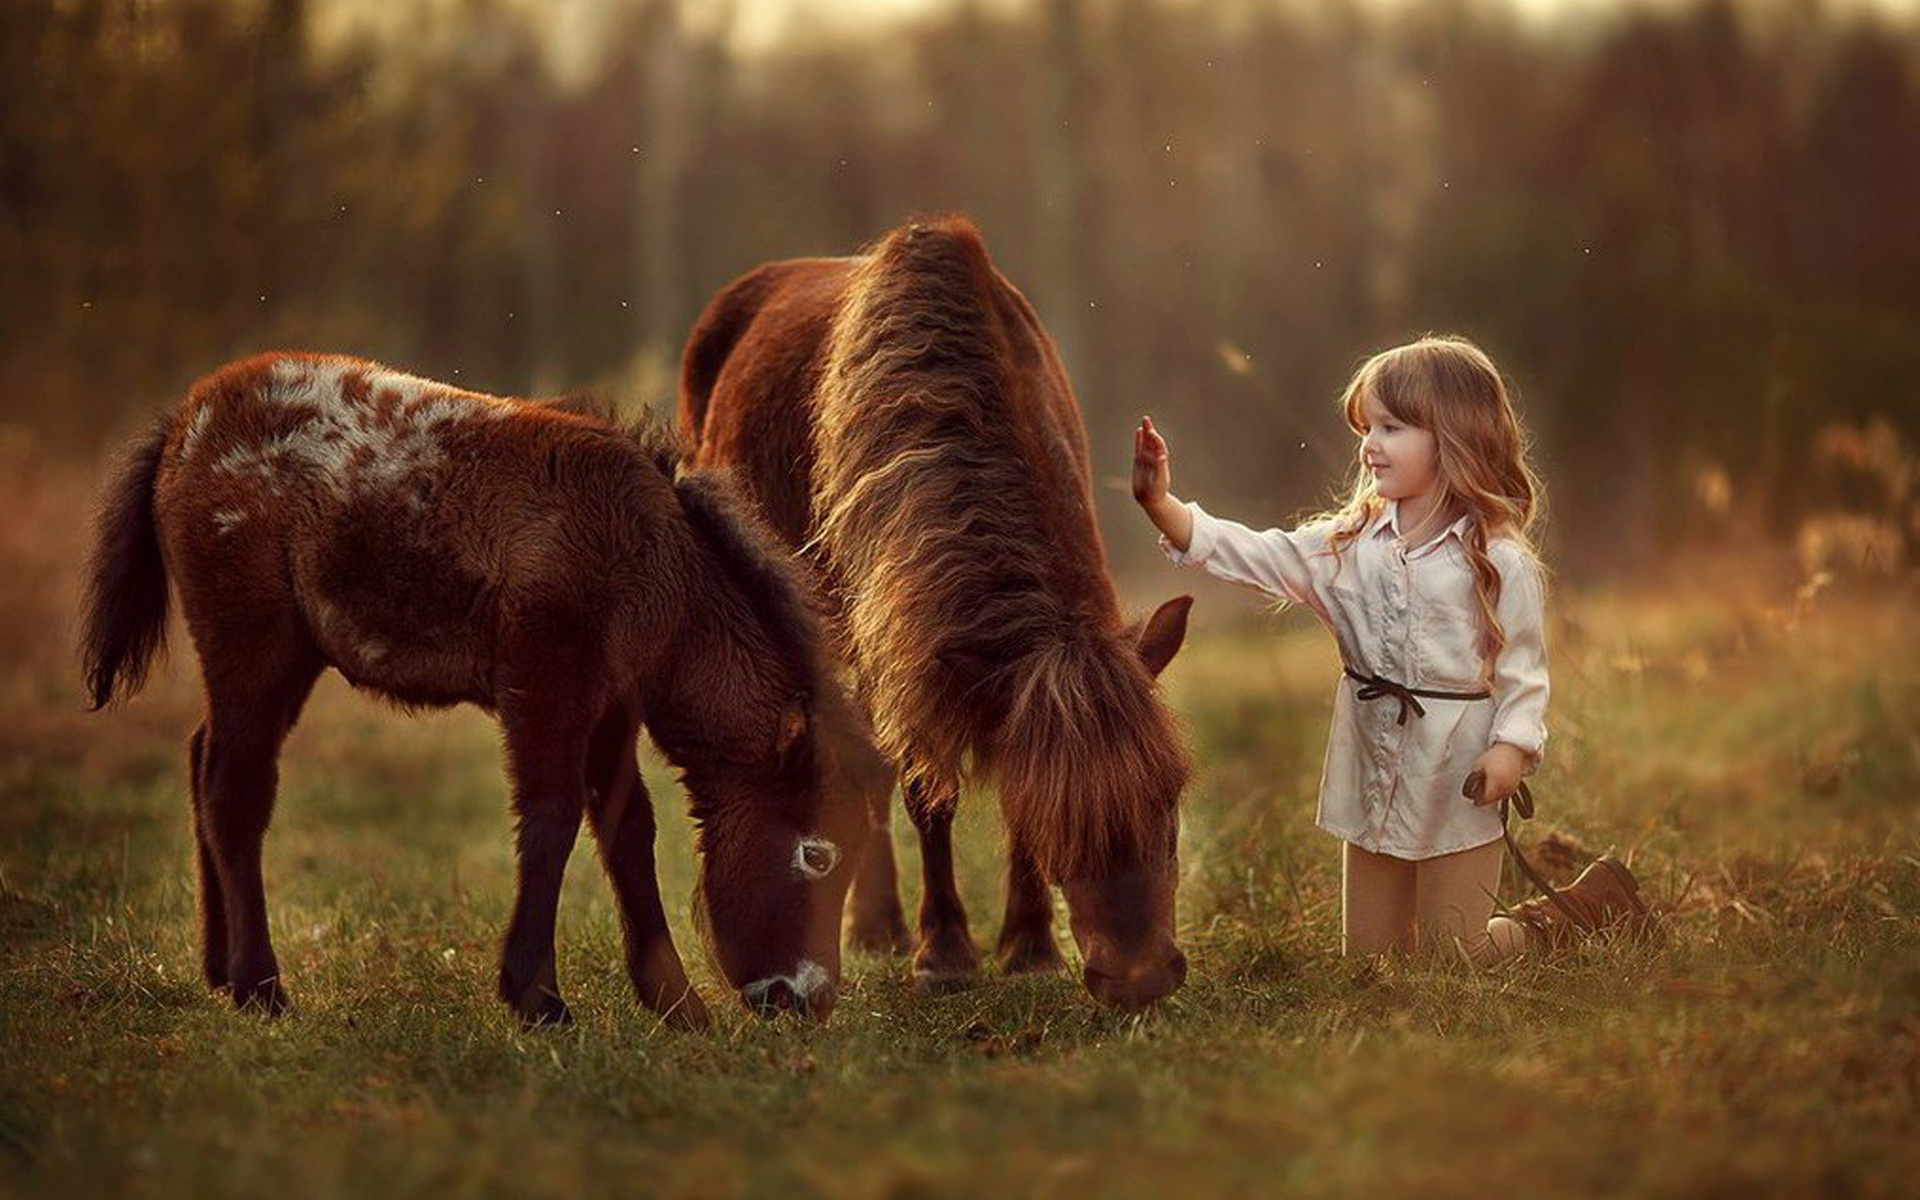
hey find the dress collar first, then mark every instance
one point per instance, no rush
(1386, 523)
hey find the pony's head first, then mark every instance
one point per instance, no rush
(1091, 772)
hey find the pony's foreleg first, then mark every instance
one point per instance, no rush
(1026, 933)
(946, 955)
(547, 756)
(213, 906)
(878, 925)
(621, 813)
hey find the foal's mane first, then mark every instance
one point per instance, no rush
(774, 589)
(762, 571)
(596, 408)
(978, 612)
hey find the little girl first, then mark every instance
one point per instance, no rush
(1429, 582)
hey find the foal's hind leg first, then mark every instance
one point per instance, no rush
(213, 911)
(946, 956)
(1026, 934)
(621, 813)
(547, 753)
(249, 712)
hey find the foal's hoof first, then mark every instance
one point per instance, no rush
(688, 1014)
(551, 1012)
(266, 997)
(1031, 956)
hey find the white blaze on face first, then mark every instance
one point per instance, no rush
(814, 857)
(354, 447)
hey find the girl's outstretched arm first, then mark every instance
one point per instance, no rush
(1272, 560)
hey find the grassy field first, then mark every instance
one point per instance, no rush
(1757, 753)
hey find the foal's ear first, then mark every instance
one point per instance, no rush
(1160, 637)
(793, 723)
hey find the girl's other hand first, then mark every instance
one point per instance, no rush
(1500, 768)
(1152, 472)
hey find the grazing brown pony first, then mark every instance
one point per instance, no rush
(904, 417)
(437, 546)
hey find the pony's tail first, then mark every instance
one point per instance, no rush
(126, 607)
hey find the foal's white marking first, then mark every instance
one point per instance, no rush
(807, 978)
(341, 444)
(803, 862)
(225, 520)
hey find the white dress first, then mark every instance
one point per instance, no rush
(1389, 785)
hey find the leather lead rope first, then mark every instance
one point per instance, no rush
(1522, 802)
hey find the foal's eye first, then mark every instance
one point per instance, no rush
(813, 857)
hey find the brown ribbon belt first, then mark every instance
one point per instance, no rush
(1373, 687)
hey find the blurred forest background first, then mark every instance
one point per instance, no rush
(1689, 231)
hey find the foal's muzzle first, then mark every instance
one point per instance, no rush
(809, 991)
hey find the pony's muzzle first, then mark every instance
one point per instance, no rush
(1135, 986)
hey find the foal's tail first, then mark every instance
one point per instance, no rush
(126, 577)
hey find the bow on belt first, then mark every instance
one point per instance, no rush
(1372, 687)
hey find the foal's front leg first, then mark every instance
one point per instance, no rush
(946, 957)
(621, 813)
(547, 760)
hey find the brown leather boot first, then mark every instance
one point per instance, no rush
(1604, 896)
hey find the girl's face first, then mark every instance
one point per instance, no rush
(1401, 456)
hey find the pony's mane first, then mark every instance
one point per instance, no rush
(981, 635)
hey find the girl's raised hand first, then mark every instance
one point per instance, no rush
(1152, 472)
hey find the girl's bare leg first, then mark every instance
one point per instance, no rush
(1454, 900)
(1376, 901)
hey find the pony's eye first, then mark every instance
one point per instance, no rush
(814, 857)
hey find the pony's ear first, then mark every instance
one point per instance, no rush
(793, 723)
(1160, 637)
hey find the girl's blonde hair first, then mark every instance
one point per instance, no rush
(1448, 385)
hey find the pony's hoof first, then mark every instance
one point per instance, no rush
(1032, 957)
(947, 963)
(927, 983)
